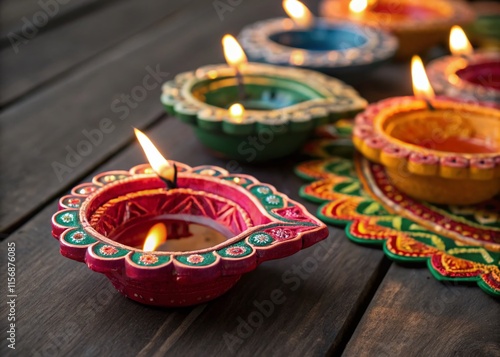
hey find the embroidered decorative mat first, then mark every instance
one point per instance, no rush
(332, 140)
(458, 243)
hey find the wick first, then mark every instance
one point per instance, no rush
(241, 86)
(466, 57)
(171, 184)
(429, 105)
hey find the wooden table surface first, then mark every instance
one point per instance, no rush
(62, 66)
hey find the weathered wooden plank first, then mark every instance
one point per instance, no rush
(322, 288)
(45, 128)
(54, 52)
(23, 17)
(63, 308)
(391, 80)
(412, 314)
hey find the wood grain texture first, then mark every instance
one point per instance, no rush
(413, 314)
(54, 52)
(13, 11)
(66, 309)
(44, 124)
(320, 299)
(387, 81)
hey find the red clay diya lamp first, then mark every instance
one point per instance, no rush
(417, 24)
(344, 49)
(468, 75)
(173, 235)
(434, 149)
(277, 108)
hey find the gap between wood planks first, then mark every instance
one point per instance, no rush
(356, 315)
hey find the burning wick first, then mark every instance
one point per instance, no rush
(159, 164)
(236, 58)
(429, 105)
(421, 85)
(236, 112)
(358, 7)
(299, 13)
(155, 237)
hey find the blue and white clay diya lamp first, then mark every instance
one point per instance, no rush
(254, 111)
(467, 75)
(337, 47)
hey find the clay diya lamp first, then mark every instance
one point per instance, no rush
(275, 108)
(344, 49)
(218, 226)
(466, 74)
(434, 149)
(417, 24)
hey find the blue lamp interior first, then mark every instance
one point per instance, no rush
(320, 39)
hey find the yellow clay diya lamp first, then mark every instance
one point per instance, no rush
(438, 150)
(417, 24)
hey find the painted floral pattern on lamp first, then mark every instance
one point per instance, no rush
(260, 224)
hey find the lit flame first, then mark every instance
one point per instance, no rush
(358, 6)
(158, 163)
(236, 111)
(459, 43)
(298, 12)
(297, 57)
(234, 54)
(156, 236)
(421, 85)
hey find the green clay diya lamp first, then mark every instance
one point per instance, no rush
(343, 49)
(467, 75)
(177, 235)
(256, 112)
(438, 150)
(417, 24)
